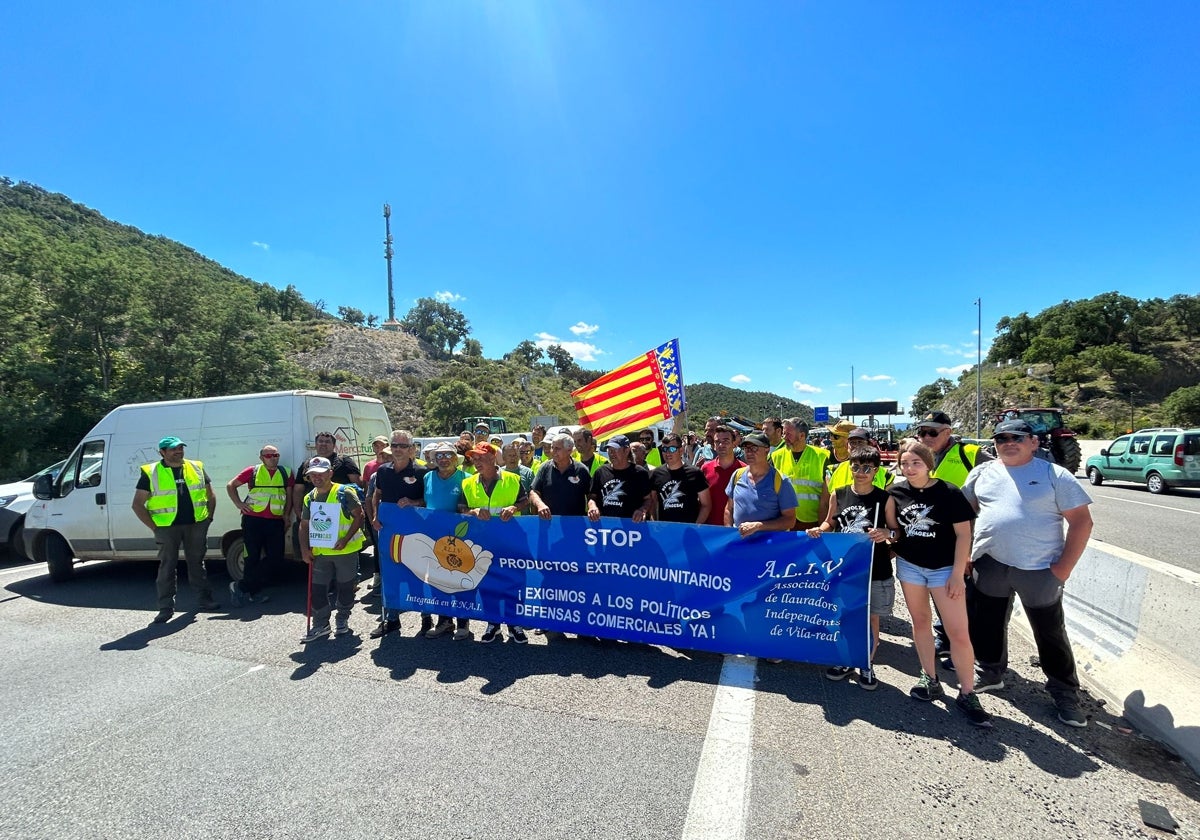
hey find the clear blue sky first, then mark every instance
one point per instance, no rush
(792, 189)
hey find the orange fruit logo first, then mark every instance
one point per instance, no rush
(453, 553)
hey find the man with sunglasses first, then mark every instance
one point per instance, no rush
(952, 459)
(760, 498)
(265, 512)
(647, 439)
(400, 482)
(805, 466)
(680, 490)
(1020, 549)
(620, 487)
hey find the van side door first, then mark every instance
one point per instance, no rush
(80, 509)
(1139, 456)
(1118, 463)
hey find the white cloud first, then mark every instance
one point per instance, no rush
(448, 297)
(954, 371)
(879, 377)
(740, 379)
(945, 348)
(843, 385)
(805, 388)
(262, 245)
(789, 367)
(585, 330)
(580, 351)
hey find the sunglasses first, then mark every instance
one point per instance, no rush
(402, 446)
(862, 468)
(270, 455)
(672, 448)
(922, 433)
(1008, 438)
(442, 455)
(749, 447)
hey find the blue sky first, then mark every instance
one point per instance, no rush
(791, 189)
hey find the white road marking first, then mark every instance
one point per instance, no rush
(1147, 504)
(717, 810)
(37, 569)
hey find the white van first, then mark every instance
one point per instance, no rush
(84, 512)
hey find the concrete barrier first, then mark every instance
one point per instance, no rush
(1134, 623)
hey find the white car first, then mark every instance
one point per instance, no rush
(15, 500)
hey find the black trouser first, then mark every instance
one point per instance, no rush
(263, 539)
(1041, 596)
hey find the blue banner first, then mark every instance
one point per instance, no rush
(698, 587)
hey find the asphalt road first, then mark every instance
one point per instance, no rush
(221, 725)
(1163, 527)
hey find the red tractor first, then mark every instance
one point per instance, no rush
(1053, 433)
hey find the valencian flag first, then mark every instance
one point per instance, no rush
(640, 392)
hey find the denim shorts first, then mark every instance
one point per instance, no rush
(919, 575)
(883, 596)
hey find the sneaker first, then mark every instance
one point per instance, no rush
(489, 635)
(342, 627)
(163, 616)
(383, 628)
(837, 672)
(927, 689)
(867, 680)
(257, 599)
(207, 604)
(440, 629)
(988, 682)
(315, 634)
(973, 709)
(461, 633)
(426, 625)
(375, 581)
(948, 664)
(235, 594)
(517, 635)
(1070, 714)
(941, 647)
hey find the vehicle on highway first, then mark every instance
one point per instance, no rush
(1053, 433)
(84, 511)
(15, 500)
(1159, 458)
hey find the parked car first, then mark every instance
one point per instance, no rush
(1159, 458)
(15, 499)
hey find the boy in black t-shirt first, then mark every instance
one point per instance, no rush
(858, 509)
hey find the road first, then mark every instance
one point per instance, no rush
(1130, 517)
(221, 725)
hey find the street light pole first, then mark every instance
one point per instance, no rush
(1131, 411)
(979, 369)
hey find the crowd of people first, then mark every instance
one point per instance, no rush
(966, 531)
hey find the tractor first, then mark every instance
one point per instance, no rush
(1052, 432)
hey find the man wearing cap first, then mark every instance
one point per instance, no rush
(493, 492)
(620, 487)
(842, 475)
(562, 484)
(265, 513)
(175, 500)
(760, 498)
(839, 439)
(805, 466)
(345, 471)
(1020, 548)
(482, 430)
(443, 491)
(680, 489)
(952, 458)
(334, 509)
(400, 482)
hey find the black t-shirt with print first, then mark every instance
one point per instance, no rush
(927, 517)
(620, 492)
(678, 492)
(858, 514)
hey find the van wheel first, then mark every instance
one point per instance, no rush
(1155, 484)
(1094, 476)
(16, 542)
(59, 558)
(235, 559)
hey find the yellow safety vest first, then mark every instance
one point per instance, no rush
(337, 492)
(505, 493)
(808, 477)
(598, 461)
(653, 458)
(267, 491)
(842, 477)
(163, 503)
(952, 469)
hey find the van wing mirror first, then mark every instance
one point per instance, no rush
(43, 487)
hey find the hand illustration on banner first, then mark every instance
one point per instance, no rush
(451, 563)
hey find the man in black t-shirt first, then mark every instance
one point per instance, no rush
(562, 484)
(681, 490)
(402, 483)
(345, 471)
(620, 488)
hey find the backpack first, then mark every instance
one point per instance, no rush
(778, 478)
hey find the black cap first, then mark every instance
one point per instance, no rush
(756, 439)
(1013, 427)
(935, 418)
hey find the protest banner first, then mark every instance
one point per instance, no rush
(780, 595)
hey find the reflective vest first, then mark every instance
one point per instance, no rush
(653, 458)
(505, 493)
(163, 503)
(843, 477)
(598, 461)
(953, 469)
(338, 491)
(808, 477)
(267, 490)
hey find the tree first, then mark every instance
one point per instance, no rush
(562, 360)
(1013, 336)
(929, 397)
(1182, 407)
(372, 320)
(1121, 364)
(527, 353)
(351, 315)
(438, 324)
(473, 348)
(1045, 349)
(449, 403)
(1070, 370)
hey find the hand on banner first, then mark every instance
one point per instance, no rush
(450, 564)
